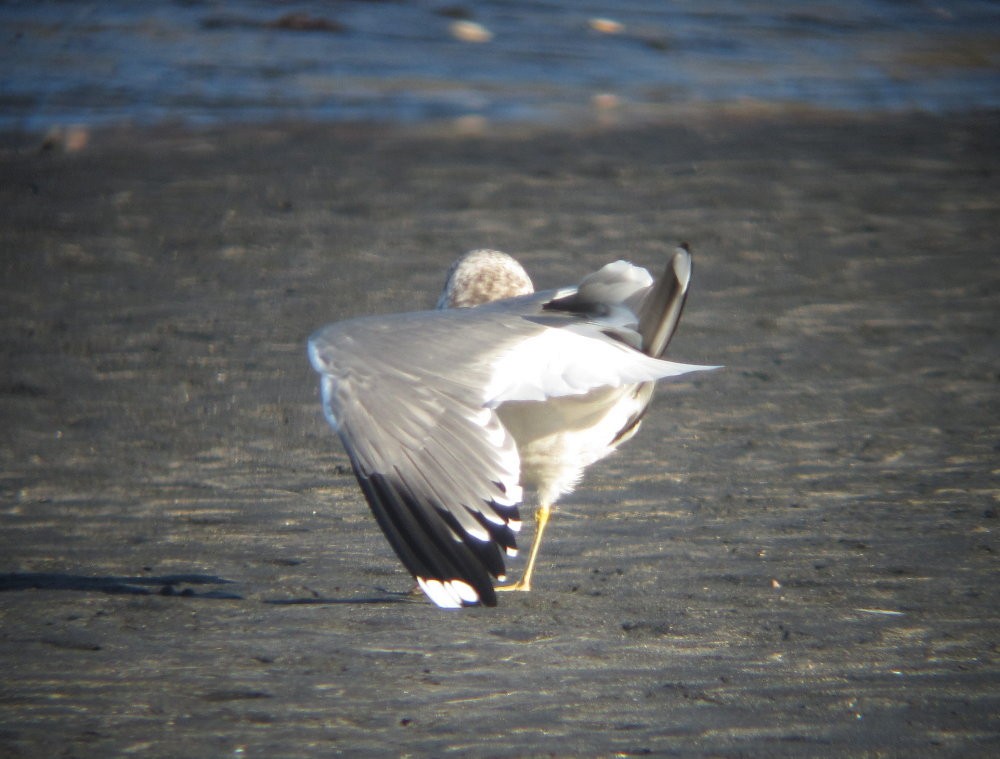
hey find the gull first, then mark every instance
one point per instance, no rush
(446, 415)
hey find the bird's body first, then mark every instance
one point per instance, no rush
(446, 414)
(575, 432)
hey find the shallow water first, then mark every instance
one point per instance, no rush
(212, 62)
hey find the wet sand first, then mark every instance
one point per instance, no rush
(797, 556)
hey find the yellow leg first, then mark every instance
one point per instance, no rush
(541, 519)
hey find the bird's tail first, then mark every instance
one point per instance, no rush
(660, 311)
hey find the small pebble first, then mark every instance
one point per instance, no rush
(470, 31)
(607, 26)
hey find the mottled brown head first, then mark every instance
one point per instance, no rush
(483, 276)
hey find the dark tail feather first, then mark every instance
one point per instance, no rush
(661, 309)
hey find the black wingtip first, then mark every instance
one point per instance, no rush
(453, 573)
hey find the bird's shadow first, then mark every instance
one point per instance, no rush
(180, 585)
(164, 585)
(389, 597)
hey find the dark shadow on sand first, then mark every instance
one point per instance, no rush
(143, 586)
(392, 599)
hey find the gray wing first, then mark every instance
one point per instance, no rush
(439, 471)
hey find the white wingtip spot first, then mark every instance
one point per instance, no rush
(513, 494)
(435, 590)
(451, 594)
(465, 591)
(478, 532)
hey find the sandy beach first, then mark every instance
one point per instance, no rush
(797, 556)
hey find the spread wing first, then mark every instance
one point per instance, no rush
(439, 470)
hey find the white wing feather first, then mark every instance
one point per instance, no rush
(561, 362)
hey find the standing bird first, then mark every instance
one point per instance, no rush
(446, 414)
